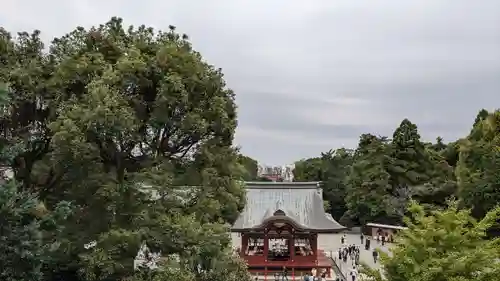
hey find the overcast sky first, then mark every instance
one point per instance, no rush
(313, 75)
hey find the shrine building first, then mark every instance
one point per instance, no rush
(279, 228)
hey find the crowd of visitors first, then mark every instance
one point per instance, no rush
(349, 255)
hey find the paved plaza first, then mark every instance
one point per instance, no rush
(331, 243)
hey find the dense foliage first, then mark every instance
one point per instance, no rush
(135, 130)
(375, 182)
(24, 222)
(447, 245)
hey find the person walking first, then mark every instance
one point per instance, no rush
(375, 255)
(285, 274)
(354, 273)
(361, 237)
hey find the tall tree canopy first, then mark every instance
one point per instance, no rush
(337, 167)
(479, 163)
(331, 169)
(375, 182)
(29, 233)
(135, 129)
(369, 189)
(410, 160)
(249, 166)
(312, 169)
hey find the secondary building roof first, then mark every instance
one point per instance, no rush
(301, 202)
(386, 226)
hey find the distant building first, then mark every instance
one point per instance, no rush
(377, 229)
(276, 173)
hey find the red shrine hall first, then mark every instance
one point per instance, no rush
(279, 228)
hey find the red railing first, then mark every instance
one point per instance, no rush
(304, 261)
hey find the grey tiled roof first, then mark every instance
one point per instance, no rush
(301, 201)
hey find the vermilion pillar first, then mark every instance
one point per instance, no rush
(266, 245)
(244, 243)
(266, 252)
(314, 245)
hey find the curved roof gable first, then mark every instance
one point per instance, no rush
(301, 202)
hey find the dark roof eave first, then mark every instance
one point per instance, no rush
(281, 185)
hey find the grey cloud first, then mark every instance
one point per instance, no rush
(279, 113)
(278, 152)
(312, 75)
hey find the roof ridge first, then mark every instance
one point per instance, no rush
(300, 201)
(281, 185)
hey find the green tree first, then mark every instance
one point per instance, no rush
(311, 169)
(442, 183)
(250, 167)
(332, 169)
(451, 153)
(27, 231)
(393, 171)
(22, 245)
(136, 130)
(439, 145)
(479, 128)
(28, 234)
(338, 166)
(445, 245)
(368, 196)
(410, 161)
(478, 165)
(481, 115)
